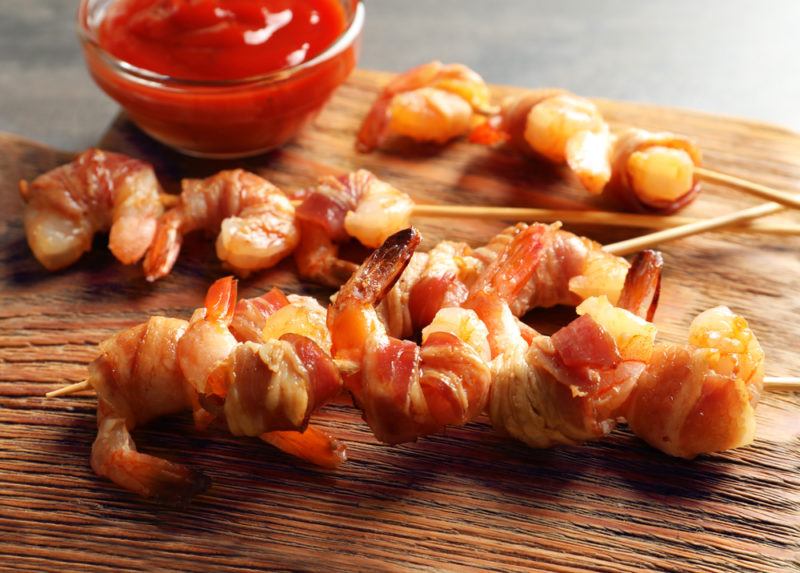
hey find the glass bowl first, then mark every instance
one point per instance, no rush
(222, 118)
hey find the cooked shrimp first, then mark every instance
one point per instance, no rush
(253, 218)
(357, 205)
(648, 172)
(137, 379)
(432, 102)
(572, 268)
(97, 191)
(256, 387)
(570, 387)
(433, 280)
(541, 123)
(443, 382)
(701, 397)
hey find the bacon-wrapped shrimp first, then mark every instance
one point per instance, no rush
(644, 171)
(572, 269)
(254, 220)
(432, 102)
(137, 379)
(97, 191)
(356, 205)
(270, 381)
(572, 386)
(700, 397)
(407, 390)
(540, 123)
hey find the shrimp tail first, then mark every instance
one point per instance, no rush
(489, 133)
(313, 445)
(643, 285)
(114, 456)
(163, 253)
(220, 301)
(376, 275)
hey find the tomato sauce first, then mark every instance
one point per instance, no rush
(213, 53)
(219, 39)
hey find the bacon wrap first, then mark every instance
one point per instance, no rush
(277, 385)
(564, 389)
(414, 391)
(137, 376)
(633, 140)
(571, 268)
(327, 203)
(250, 314)
(694, 398)
(514, 117)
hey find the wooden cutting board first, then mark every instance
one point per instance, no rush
(462, 500)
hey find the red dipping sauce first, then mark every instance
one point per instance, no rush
(221, 78)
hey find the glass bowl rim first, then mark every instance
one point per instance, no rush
(88, 37)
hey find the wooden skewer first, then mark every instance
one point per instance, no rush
(771, 383)
(782, 383)
(586, 217)
(652, 239)
(782, 197)
(69, 389)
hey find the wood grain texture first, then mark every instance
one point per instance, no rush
(463, 500)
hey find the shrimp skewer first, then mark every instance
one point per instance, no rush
(158, 368)
(443, 382)
(356, 205)
(253, 218)
(97, 191)
(432, 102)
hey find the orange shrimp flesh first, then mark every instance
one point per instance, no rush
(97, 191)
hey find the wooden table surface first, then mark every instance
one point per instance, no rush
(463, 500)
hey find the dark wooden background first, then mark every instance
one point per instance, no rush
(464, 500)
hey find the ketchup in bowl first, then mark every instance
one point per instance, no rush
(220, 78)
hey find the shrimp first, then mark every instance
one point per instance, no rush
(433, 280)
(97, 191)
(357, 205)
(572, 386)
(572, 269)
(269, 384)
(541, 123)
(137, 379)
(254, 220)
(701, 397)
(442, 382)
(432, 102)
(646, 172)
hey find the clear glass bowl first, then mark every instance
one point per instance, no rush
(224, 118)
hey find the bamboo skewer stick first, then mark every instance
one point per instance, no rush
(652, 239)
(776, 196)
(587, 217)
(771, 383)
